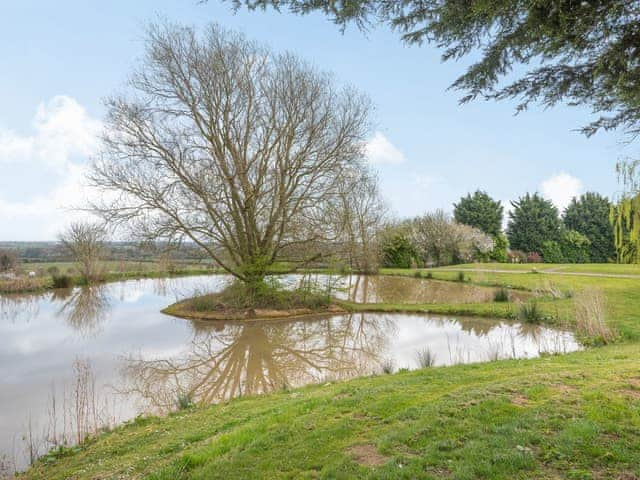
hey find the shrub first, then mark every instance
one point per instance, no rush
(501, 295)
(516, 256)
(8, 260)
(397, 251)
(500, 247)
(575, 247)
(551, 252)
(534, 257)
(460, 277)
(417, 274)
(429, 275)
(62, 281)
(53, 271)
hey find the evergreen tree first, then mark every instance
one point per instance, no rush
(532, 222)
(576, 52)
(589, 215)
(480, 211)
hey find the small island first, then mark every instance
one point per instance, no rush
(263, 301)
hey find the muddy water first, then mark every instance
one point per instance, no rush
(71, 361)
(394, 289)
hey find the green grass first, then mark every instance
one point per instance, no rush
(574, 416)
(600, 268)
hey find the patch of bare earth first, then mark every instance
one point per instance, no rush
(635, 394)
(623, 475)
(367, 455)
(519, 400)
(564, 389)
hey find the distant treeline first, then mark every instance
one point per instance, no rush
(40, 252)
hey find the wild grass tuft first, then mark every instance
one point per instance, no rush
(530, 312)
(590, 314)
(184, 401)
(501, 295)
(387, 366)
(426, 358)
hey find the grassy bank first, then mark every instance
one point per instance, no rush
(575, 416)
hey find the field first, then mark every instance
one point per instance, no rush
(112, 271)
(573, 416)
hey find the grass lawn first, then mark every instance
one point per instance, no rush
(573, 416)
(599, 268)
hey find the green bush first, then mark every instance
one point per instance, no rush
(397, 251)
(62, 281)
(551, 252)
(501, 295)
(53, 271)
(500, 247)
(575, 247)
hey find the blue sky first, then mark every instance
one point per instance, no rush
(60, 59)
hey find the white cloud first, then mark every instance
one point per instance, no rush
(53, 210)
(62, 129)
(64, 137)
(561, 188)
(425, 182)
(380, 151)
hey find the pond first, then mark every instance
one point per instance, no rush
(73, 361)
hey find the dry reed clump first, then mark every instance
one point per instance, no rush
(426, 358)
(590, 315)
(551, 289)
(22, 284)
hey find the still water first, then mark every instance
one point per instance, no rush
(73, 361)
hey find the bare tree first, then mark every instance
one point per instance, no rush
(85, 243)
(361, 213)
(226, 144)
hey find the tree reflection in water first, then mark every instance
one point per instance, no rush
(19, 307)
(85, 308)
(398, 289)
(232, 359)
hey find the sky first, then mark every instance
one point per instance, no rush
(59, 60)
